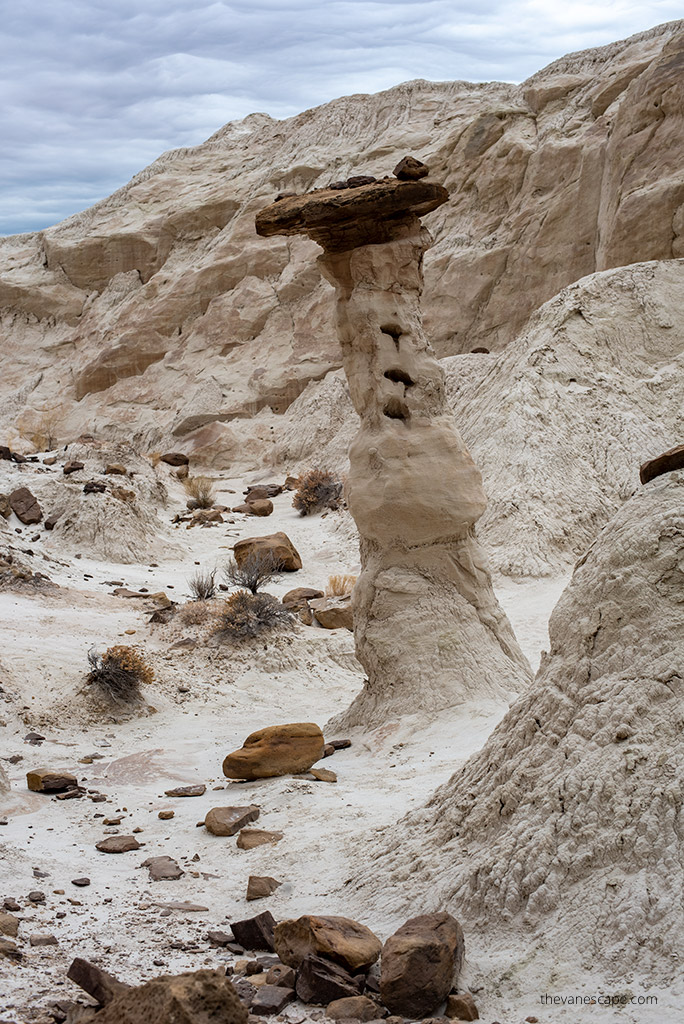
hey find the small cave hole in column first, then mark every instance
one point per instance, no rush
(395, 409)
(399, 377)
(394, 332)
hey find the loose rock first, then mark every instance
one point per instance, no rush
(276, 546)
(419, 964)
(45, 780)
(461, 1007)
(359, 1007)
(250, 838)
(255, 932)
(226, 821)
(261, 886)
(118, 844)
(276, 750)
(162, 868)
(271, 999)
(322, 981)
(198, 790)
(347, 942)
(25, 506)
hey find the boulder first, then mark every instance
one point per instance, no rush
(340, 939)
(25, 506)
(410, 169)
(175, 459)
(322, 981)
(9, 925)
(260, 507)
(298, 599)
(419, 964)
(45, 780)
(255, 932)
(5, 507)
(115, 469)
(262, 491)
(333, 612)
(250, 838)
(277, 546)
(276, 750)
(281, 974)
(357, 1007)
(73, 466)
(271, 999)
(261, 886)
(226, 821)
(461, 1007)
(202, 997)
(117, 844)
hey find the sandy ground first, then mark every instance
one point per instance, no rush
(205, 701)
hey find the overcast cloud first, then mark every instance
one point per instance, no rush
(93, 90)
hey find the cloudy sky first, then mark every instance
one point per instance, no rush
(93, 90)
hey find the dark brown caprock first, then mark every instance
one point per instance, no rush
(670, 460)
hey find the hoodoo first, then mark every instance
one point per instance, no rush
(428, 628)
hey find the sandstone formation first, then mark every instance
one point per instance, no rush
(45, 780)
(346, 942)
(574, 171)
(558, 423)
(665, 463)
(570, 811)
(276, 750)
(413, 490)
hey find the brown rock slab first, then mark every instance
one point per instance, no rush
(25, 506)
(333, 612)
(298, 599)
(260, 507)
(276, 546)
(250, 838)
(410, 169)
(5, 507)
(257, 491)
(185, 906)
(420, 963)
(226, 821)
(166, 815)
(72, 467)
(219, 938)
(255, 932)
(175, 459)
(45, 780)
(340, 939)
(117, 844)
(276, 750)
(198, 790)
(96, 982)
(461, 1007)
(115, 469)
(340, 220)
(271, 999)
(670, 460)
(322, 981)
(43, 940)
(82, 882)
(9, 925)
(162, 868)
(261, 886)
(359, 1007)
(281, 974)
(323, 775)
(10, 950)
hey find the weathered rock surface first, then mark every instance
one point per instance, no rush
(276, 546)
(347, 942)
(199, 997)
(352, 1008)
(321, 981)
(163, 868)
(250, 838)
(118, 844)
(271, 999)
(298, 599)
(226, 821)
(420, 963)
(574, 171)
(333, 612)
(670, 460)
(255, 932)
(25, 506)
(570, 809)
(45, 780)
(261, 886)
(276, 750)
(461, 1007)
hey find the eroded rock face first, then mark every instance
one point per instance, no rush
(199, 996)
(571, 809)
(276, 750)
(276, 547)
(576, 170)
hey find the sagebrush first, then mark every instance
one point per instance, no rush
(245, 616)
(119, 673)
(317, 489)
(195, 613)
(340, 584)
(259, 568)
(202, 585)
(201, 491)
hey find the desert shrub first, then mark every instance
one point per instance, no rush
(317, 489)
(203, 585)
(119, 673)
(340, 585)
(201, 491)
(258, 569)
(246, 615)
(45, 427)
(196, 613)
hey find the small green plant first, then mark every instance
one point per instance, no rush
(317, 489)
(119, 673)
(201, 491)
(203, 585)
(245, 616)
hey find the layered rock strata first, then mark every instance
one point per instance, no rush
(414, 491)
